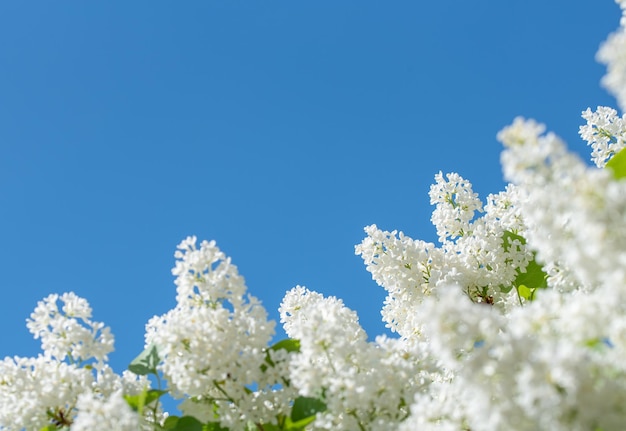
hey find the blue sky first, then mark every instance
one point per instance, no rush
(278, 128)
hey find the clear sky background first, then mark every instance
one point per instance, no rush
(278, 128)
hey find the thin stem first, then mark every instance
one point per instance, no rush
(219, 388)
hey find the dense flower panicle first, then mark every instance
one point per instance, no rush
(572, 374)
(503, 208)
(100, 413)
(303, 312)
(574, 213)
(205, 274)
(107, 382)
(69, 331)
(605, 132)
(570, 214)
(457, 326)
(406, 268)
(543, 366)
(397, 261)
(213, 342)
(364, 385)
(36, 392)
(478, 260)
(328, 332)
(30, 388)
(441, 408)
(201, 345)
(613, 54)
(456, 205)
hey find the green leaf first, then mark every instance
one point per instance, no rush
(139, 401)
(147, 361)
(170, 423)
(251, 426)
(287, 344)
(505, 289)
(49, 427)
(299, 425)
(213, 426)
(305, 409)
(617, 164)
(534, 277)
(599, 344)
(134, 401)
(508, 237)
(153, 395)
(525, 292)
(186, 423)
(526, 283)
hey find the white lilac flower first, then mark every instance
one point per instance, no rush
(401, 368)
(203, 345)
(553, 364)
(441, 408)
(363, 385)
(105, 413)
(456, 205)
(504, 208)
(108, 382)
(213, 343)
(328, 332)
(605, 132)
(476, 260)
(206, 274)
(613, 53)
(456, 326)
(34, 391)
(45, 390)
(575, 215)
(404, 267)
(68, 331)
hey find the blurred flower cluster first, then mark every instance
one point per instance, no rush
(514, 320)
